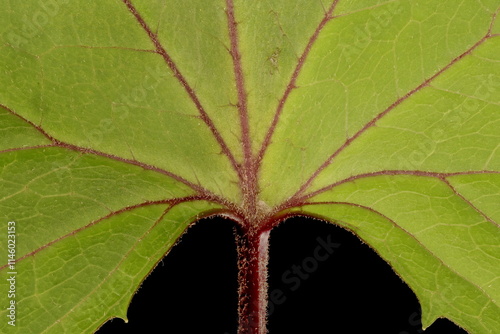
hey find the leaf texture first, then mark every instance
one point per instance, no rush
(123, 122)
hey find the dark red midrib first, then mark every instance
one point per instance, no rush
(248, 177)
(240, 82)
(373, 121)
(170, 202)
(205, 193)
(253, 257)
(182, 80)
(291, 84)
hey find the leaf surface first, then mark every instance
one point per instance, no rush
(123, 122)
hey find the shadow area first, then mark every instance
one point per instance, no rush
(322, 279)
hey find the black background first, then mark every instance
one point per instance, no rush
(194, 288)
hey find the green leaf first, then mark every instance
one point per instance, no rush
(123, 122)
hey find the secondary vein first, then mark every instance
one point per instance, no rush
(182, 80)
(248, 176)
(379, 116)
(201, 191)
(291, 85)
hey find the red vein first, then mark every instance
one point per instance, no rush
(178, 75)
(373, 121)
(240, 81)
(125, 256)
(37, 127)
(249, 181)
(441, 176)
(438, 175)
(172, 202)
(208, 214)
(469, 202)
(396, 225)
(208, 195)
(291, 85)
(202, 191)
(25, 148)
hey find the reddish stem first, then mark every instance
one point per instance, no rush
(253, 257)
